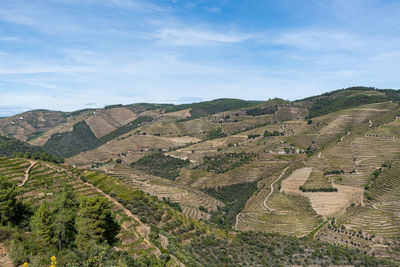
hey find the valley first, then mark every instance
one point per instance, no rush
(182, 179)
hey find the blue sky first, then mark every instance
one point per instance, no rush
(73, 54)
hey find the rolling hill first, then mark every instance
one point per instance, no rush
(319, 176)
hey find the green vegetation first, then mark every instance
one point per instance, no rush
(318, 189)
(49, 220)
(269, 134)
(348, 98)
(71, 143)
(60, 227)
(253, 136)
(113, 106)
(8, 206)
(44, 156)
(141, 107)
(196, 243)
(95, 223)
(202, 109)
(260, 249)
(12, 147)
(235, 197)
(217, 133)
(221, 163)
(327, 105)
(262, 111)
(86, 230)
(160, 165)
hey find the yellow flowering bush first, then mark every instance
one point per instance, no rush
(53, 261)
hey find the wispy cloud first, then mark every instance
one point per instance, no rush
(320, 40)
(186, 36)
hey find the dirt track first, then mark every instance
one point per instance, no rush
(33, 163)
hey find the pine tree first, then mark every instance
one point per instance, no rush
(42, 225)
(8, 193)
(64, 207)
(95, 222)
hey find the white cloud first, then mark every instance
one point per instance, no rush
(320, 40)
(197, 37)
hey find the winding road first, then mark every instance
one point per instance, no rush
(265, 200)
(272, 190)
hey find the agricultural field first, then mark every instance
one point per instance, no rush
(189, 198)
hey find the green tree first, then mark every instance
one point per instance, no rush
(42, 225)
(95, 222)
(64, 209)
(8, 193)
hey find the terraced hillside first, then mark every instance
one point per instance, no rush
(272, 211)
(325, 167)
(190, 199)
(370, 162)
(171, 231)
(129, 148)
(15, 169)
(45, 180)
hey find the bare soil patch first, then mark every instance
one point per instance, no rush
(296, 179)
(324, 203)
(99, 126)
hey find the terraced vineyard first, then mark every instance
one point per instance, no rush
(45, 180)
(289, 216)
(129, 148)
(277, 212)
(14, 169)
(189, 198)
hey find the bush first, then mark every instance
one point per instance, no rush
(221, 163)
(274, 133)
(253, 136)
(217, 133)
(318, 189)
(161, 165)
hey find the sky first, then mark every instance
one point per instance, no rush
(74, 54)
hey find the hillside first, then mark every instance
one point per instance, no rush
(346, 98)
(137, 225)
(318, 176)
(27, 125)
